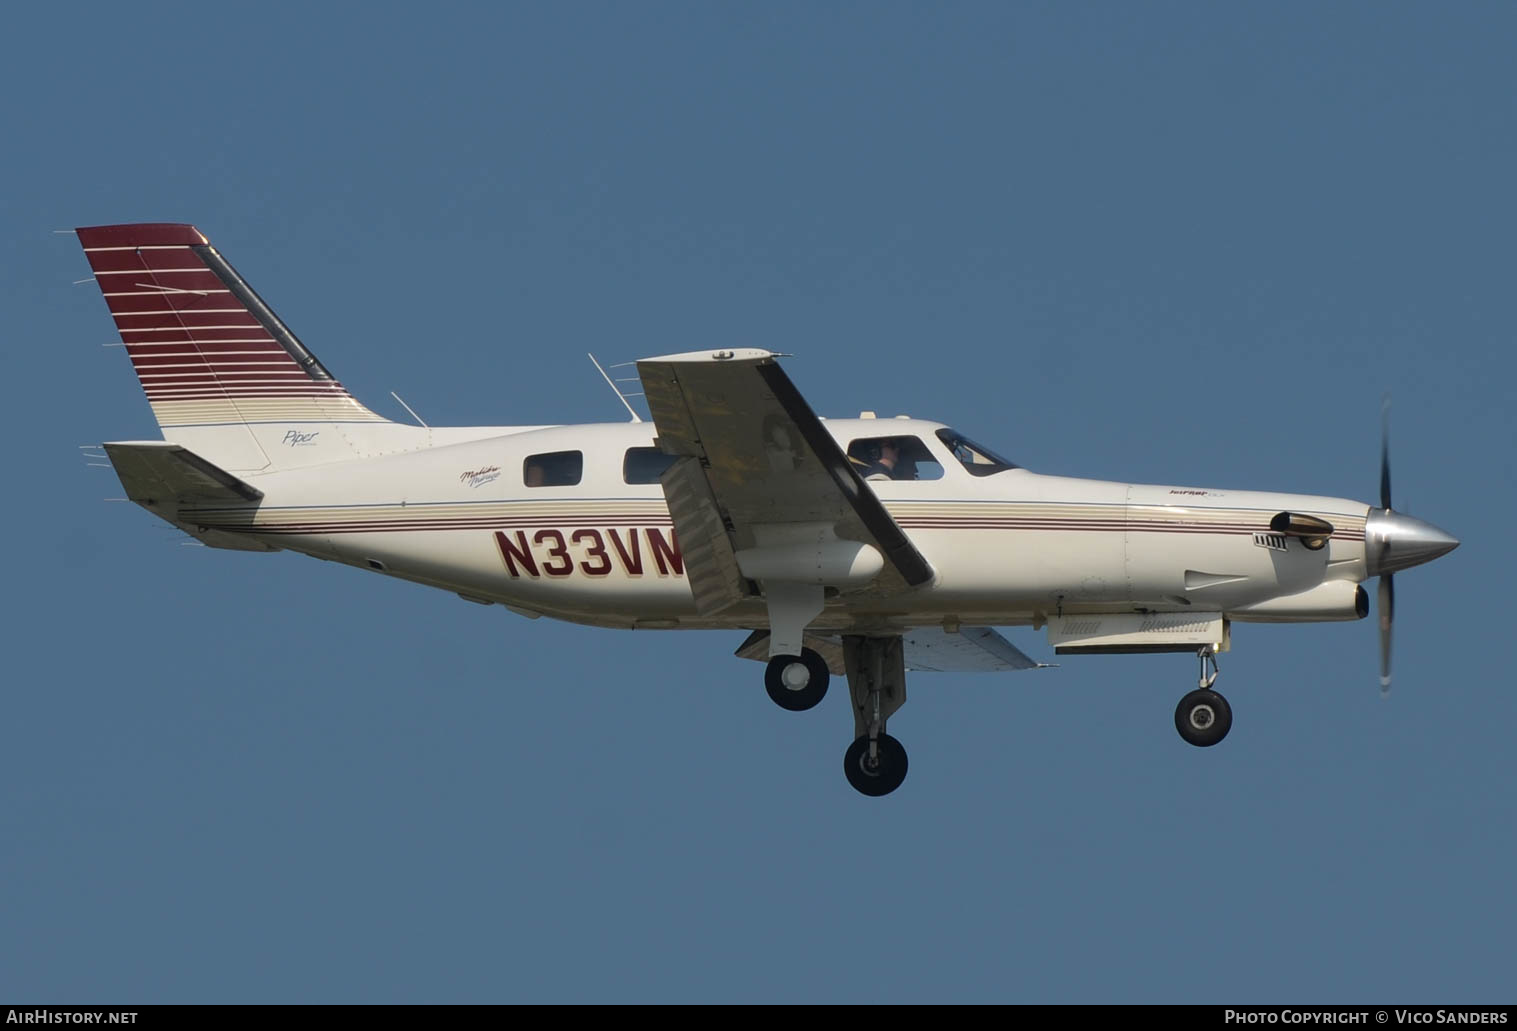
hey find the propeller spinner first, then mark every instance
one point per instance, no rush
(1394, 541)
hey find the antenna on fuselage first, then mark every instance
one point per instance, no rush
(612, 384)
(408, 408)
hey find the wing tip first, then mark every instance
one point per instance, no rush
(734, 354)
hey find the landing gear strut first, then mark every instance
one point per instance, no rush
(1203, 716)
(875, 763)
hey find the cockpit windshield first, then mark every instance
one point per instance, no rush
(980, 461)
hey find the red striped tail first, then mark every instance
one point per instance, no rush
(207, 350)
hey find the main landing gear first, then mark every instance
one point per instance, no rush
(875, 767)
(796, 682)
(1203, 716)
(797, 676)
(875, 764)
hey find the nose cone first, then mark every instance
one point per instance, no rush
(1393, 541)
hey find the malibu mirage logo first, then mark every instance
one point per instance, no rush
(479, 477)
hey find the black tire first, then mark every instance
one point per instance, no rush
(802, 697)
(1203, 718)
(880, 778)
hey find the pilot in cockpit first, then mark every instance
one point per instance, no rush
(878, 459)
(886, 460)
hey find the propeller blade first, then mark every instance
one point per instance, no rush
(1387, 607)
(1385, 453)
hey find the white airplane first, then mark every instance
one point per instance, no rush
(860, 547)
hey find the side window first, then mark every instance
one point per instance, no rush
(645, 464)
(554, 469)
(893, 458)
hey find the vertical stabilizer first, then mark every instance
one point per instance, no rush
(224, 376)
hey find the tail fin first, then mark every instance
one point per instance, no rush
(223, 374)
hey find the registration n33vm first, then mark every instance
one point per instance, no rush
(856, 548)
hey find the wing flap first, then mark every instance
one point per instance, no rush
(710, 565)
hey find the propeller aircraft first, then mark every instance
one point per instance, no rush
(855, 548)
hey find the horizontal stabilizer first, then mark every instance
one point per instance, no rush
(158, 473)
(166, 478)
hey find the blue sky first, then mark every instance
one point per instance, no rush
(1171, 243)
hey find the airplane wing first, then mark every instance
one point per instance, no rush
(755, 454)
(930, 649)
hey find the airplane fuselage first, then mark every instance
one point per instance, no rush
(1006, 549)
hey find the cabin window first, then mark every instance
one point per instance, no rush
(893, 458)
(980, 461)
(645, 464)
(554, 469)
